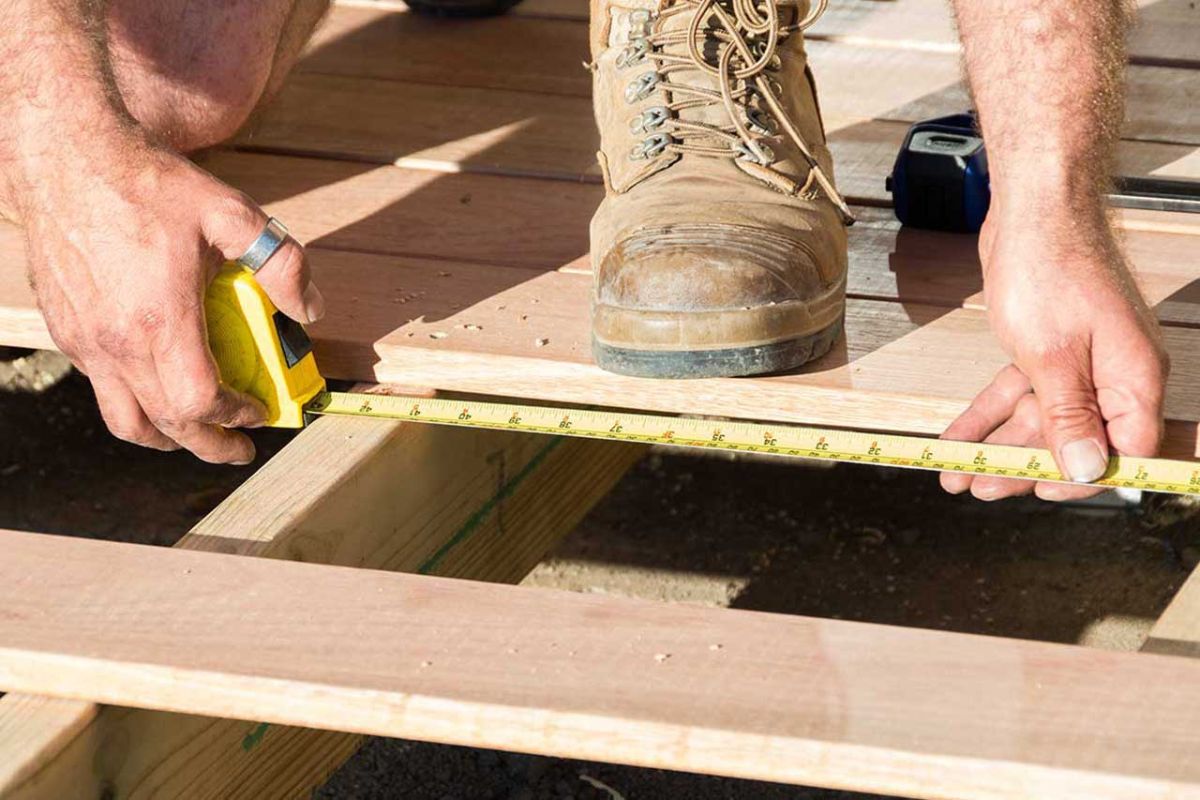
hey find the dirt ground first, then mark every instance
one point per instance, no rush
(832, 541)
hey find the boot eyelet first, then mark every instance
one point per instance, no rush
(762, 122)
(650, 147)
(649, 120)
(641, 87)
(634, 54)
(640, 23)
(743, 151)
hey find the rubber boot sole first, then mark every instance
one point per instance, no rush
(728, 362)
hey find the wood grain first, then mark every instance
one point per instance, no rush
(1164, 30)
(452, 129)
(855, 83)
(790, 699)
(484, 505)
(910, 365)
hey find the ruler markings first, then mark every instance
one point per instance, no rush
(780, 439)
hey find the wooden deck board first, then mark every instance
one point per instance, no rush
(452, 128)
(903, 365)
(748, 694)
(484, 505)
(1164, 30)
(855, 83)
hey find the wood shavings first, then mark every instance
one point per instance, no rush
(471, 326)
(541, 342)
(661, 657)
(439, 335)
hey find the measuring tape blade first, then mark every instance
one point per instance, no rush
(790, 441)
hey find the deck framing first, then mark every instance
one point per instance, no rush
(479, 143)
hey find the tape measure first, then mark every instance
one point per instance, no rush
(265, 354)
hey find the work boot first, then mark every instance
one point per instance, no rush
(720, 246)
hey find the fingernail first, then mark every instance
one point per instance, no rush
(314, 302)
(1084, 461)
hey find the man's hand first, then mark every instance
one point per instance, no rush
(1088, 366)
(1089, 370)
(124, 236)
(122, 245)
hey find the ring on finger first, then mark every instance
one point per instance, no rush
(273, 235)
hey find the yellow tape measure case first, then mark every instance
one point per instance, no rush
(258, 350)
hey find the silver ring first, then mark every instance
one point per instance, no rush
(266, 245)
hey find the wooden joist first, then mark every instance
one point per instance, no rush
(781, 698)
(483, 505)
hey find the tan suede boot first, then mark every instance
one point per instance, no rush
(720, 247)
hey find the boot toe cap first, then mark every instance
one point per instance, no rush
(706, 268)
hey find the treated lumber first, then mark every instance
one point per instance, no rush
(856, 84)
(484, 505)
(740, 693)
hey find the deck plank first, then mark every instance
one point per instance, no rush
(903, 365)
(1164, 30)
(452, 128)
(856, 84)
(740, 693)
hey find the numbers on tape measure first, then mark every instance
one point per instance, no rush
(804, 442)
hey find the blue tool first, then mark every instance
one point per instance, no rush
(940, 179)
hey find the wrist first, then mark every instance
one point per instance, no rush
(49, 155)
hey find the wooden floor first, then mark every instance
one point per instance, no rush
(444, 177)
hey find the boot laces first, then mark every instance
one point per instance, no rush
(737, 43)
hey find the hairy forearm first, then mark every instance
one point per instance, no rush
(56, 89)
(1046, 76)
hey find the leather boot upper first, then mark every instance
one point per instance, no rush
(719, 184)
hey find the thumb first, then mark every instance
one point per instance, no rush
(1070, 415)
(285, 276)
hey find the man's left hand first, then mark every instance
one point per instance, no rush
(1089, 369)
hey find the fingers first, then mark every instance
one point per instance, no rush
(286, 278)
(124, 416)
(198, 410)
(1021, 430)
(1007, 412)
(1071, 421)
(988, 411)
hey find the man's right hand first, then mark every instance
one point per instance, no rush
(123, 241)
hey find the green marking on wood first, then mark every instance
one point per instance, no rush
(473, 523)
(255, 736)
